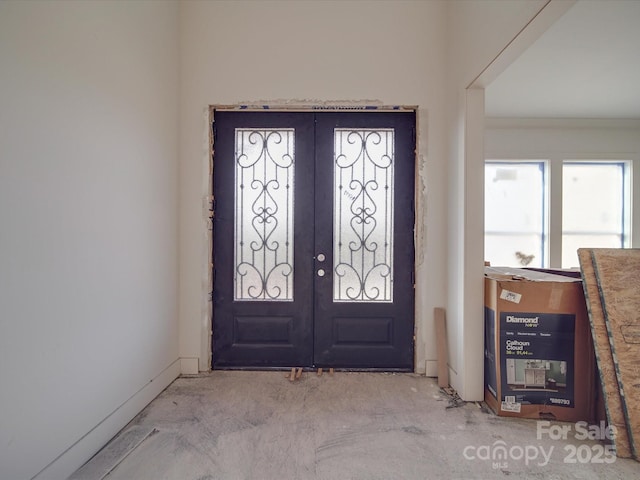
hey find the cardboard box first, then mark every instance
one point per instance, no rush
(539, 356)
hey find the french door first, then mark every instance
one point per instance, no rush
(313, 239)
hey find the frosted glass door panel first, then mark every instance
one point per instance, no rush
(363, 215)
(264, 176)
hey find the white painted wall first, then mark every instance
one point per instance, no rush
(477, 35)
(478, 32)
(88, 123)
(520, 138)
(88, 215)
(386, 52)
(311, 52)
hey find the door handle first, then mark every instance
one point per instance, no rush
(321, 272)
(320, 257)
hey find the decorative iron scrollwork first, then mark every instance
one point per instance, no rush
(264, 214)
(363, 215)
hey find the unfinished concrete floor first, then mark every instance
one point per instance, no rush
(259, 425)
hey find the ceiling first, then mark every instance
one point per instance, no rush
(586, 65)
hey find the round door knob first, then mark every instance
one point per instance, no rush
(321, 272)
(320, 257)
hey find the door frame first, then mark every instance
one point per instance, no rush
(209, 202)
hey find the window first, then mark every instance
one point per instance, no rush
(515, 213)
(592, 206)
(595, 207)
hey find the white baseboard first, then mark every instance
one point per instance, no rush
(98, 436)
(431, 368)
(189, 366)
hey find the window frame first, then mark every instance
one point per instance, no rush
(552, 234)
(627, 200)
(544, 166)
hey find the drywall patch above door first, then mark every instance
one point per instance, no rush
(309, 105)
